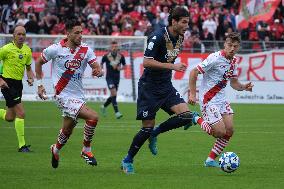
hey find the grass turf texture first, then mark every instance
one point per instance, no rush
(258, 141)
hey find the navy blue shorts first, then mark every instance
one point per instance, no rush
(13, 94)
(152, 98)
(112, 83)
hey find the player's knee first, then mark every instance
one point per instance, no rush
(230, 132)
(10, 119)
(93, 116)
(92, 122)
(93, 119)
(21, 115)
(148, 123)
(219, 133)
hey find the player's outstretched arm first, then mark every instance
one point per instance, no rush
(151, 63)
(38, 70)
(235, 84)
(30, 75)
(192, 86)
(3, 84)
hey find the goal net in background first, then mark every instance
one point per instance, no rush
(95, 88)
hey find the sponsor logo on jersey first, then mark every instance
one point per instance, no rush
(172, 54)
(72, 64)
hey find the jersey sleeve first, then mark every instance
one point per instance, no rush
(2, 53)
(91, 56)
(207, 64)
(49, 53)
(153, 44)
(29, 59)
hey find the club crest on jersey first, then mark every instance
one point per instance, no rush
(72, 64)
(145, 113)
(21, 56)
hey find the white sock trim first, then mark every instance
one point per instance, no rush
(209, 159)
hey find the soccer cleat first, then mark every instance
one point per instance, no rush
(89, 158)
(212, 163)
(118, 115)
(153, 145)
(25, 148)
(103, 110)
(195, 116)
(54, 157)
(127, 167)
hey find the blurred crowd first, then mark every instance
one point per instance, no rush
(209, 19)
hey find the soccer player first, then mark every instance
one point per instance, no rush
(115, 62)
(155, 90)
(217, 69)
(69, 59)
(16, 57)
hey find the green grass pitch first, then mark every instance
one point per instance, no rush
(258, 141)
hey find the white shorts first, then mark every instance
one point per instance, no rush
(212, 112)
(70, 107)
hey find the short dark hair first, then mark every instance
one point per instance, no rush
(234, 36)
(71, 23)
(177, 13)
(114, 42)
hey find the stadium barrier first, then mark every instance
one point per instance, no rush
(265, 69)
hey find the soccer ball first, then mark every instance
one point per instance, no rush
(229, 162)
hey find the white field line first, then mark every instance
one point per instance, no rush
(127, 127)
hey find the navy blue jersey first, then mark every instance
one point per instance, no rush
(111, 62)
(162, 47)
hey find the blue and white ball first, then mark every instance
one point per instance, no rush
(229, 162)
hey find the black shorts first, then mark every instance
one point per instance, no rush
(13, 94)
(112, 83)
(151, 99)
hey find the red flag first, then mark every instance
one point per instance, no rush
(256, 10)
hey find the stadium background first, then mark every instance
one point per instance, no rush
(129, 22)
(259, 127)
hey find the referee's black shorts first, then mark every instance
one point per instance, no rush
(13, 94)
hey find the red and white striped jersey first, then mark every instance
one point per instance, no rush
(216, 70)
(68, 67)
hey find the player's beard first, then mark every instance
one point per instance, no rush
(78, 42)
(181, 31)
